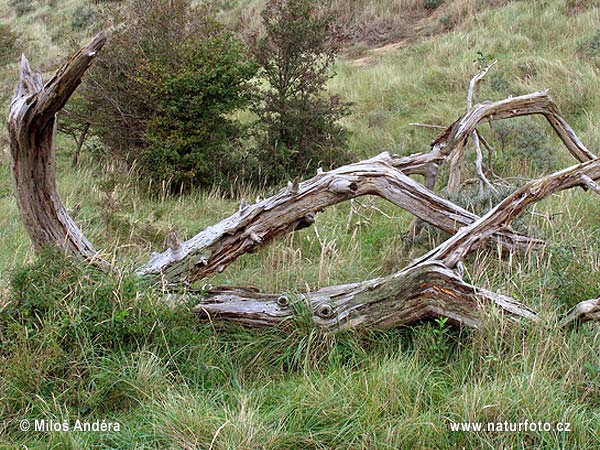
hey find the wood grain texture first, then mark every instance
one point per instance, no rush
(292, 209)
(427, 288)
(422, 292)
(583, 312)
(31, 126)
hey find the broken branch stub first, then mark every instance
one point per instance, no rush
(291, 209)
(451, 142)
(427, 288)
(585, 311)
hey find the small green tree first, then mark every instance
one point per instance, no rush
(192, 137)
(73, 121)
(299, 123)
(164, 91)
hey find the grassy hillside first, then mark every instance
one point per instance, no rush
(76, 344)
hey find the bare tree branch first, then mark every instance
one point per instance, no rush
(586, 311)
(427, 288)
(415, 294)
(291, 209)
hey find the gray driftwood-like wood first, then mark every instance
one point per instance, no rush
(214, 248)
(585, 311)
(424, 291)
(427, 288)
(31, 125)
(456, 247)
(295, 207)
(457, 156)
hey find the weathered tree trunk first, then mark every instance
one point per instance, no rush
(295, 207)
(424, 291)
(214, 248)
(404, 298)
(31, 125)
(582, 312)
(429, 287)
(456, 247)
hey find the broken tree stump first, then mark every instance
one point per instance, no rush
(32, 128)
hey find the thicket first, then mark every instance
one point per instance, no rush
(164, 90)
(8, 44)
(299, 126)
(168, 92)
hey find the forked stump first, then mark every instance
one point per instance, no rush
(32, 126)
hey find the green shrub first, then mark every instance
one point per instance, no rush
(58, 294)
(299, 123)
(8, 45)
(168, 103)
(65, 322)
(572, 280)
(446, 22)
(192, 139)
(21, 7)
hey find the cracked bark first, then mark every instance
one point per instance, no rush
(426, 288)
(32, 126)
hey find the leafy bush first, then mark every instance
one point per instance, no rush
(191, 137)
(82, 17)
(164, 91)
(21, 7)
(60, 294)
(65, 321)
(299, 124)
(8, 45)
(572, 281)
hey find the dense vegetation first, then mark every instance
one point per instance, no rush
(78, 344)
(167, 95)
(298, 127)
(162, 95)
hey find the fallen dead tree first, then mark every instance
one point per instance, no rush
(429, 287)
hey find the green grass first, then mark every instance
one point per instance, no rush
(75, 344)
